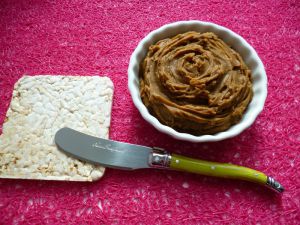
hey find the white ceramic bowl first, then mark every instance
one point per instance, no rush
(234, 40)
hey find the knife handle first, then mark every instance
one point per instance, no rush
(224, 170)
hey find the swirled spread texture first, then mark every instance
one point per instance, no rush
(195, 83)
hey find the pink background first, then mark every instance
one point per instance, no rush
(97, 38)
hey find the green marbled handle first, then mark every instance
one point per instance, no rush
(215, 169)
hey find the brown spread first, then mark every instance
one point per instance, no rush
(195, 83)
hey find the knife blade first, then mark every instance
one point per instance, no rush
(126, 156)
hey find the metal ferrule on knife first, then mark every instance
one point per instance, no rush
(159, 158)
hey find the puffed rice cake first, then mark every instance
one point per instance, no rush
(40, 106)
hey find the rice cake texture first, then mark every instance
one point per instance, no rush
(40, 106)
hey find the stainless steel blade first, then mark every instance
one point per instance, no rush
(102, 151)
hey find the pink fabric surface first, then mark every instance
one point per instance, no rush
(97, 38)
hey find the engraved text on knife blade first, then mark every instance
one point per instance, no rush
(105, 147)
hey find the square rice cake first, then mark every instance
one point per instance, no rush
(40, 106)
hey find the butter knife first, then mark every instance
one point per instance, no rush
(126, 156)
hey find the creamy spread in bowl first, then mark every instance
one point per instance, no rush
(195, 83)
(206, 108)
